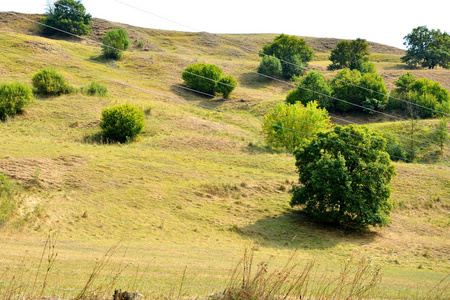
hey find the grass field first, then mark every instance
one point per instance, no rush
(198, 187)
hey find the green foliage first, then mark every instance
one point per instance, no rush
(209, 79)
(8, 201)
(69, 16)
(350, 54)
(13, 98)
(270, 66)
(226, 85)
(293, 52)
(366, 90)
(115, 41)
(427, 48)
(290, 126)
(312, 87)
(122, 123)
(441, 134)
(49, 82)
(345, 176)
(95, 89)
(429, 95)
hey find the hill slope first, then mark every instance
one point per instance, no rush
(199, 185)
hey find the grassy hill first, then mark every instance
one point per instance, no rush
(199, 186)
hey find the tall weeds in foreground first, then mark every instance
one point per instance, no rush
(294, 281)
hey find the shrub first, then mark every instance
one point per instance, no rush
(122, 123)
(13, 98)
(226, 85)
(312, 87)
(49, 82)
(345, 176)
(209, 79)
(95, 89)
(115, 42)
(270, 66)
(69, 16)
(289, 126)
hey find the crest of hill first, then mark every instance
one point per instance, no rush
(28, 24)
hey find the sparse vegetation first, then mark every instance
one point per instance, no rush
(8, 199)
(95, 89)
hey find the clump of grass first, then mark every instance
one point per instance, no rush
(95, 89)
(250, 282)
(8, 198)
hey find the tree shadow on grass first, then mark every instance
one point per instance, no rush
(196, 98)
(295, 230)
(254, 80)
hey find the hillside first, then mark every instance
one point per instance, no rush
(200, 185)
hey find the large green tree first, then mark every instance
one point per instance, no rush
(345, 175)
(69, 16)
(427, 48)
(289, 126)
(292, 51)
(349, 54)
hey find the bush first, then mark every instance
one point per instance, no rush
(94, 89)
(69, 16)
(345, 176)
(226, 85)
(270, 66)
(289, 126)
(115, 42)
(209, 79)
(13, 98)
(312, 87)
(122, 123)
(49, 82)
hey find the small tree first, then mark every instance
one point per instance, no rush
(49, 82)
(122, 123)
(350, 54)
(441, 134)
(69, 16)
(312, 87)
(289, 126)
(293, 52)
(270, 66)
(345, 176)
(427, 48)
(115, 42)
(13, 98)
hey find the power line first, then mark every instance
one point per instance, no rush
(183, 100)
(196, 91)
(293, 64)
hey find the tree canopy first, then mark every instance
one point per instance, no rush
(69, 16)
(312, 86)
(427, 48)
(115, 41)
(345, 176)
(349, 54)
(289, 126)
(292, 51)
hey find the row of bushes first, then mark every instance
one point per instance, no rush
(350, 90)
(48, 82)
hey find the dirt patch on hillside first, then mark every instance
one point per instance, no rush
(47, 173)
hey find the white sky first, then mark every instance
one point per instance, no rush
(381, 21)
